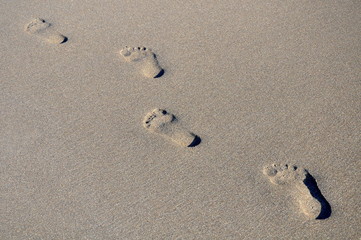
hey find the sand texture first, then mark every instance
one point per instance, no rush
(233, 119)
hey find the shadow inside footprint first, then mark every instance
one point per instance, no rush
(65, 40)
(311, 184)
(197, 140)
(160, 74)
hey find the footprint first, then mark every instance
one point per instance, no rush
(39, 27)
(304, 186)
(161, 122)
(144, 59)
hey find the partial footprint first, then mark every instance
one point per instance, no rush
(304, 186)
(39, 27)
(144, 59)
(161, 122)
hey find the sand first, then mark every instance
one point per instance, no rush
(259, 82)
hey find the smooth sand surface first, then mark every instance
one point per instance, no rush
(260, 82)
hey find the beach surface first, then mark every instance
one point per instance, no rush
(258, 82)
